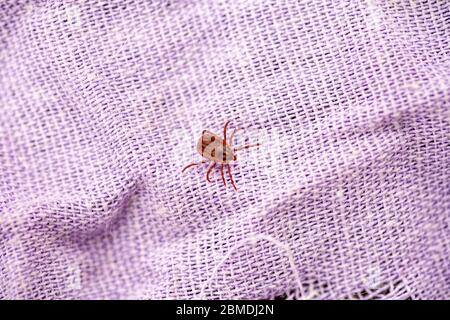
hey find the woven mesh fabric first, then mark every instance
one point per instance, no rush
(102, 104)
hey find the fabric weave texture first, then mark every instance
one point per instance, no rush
(102, 104)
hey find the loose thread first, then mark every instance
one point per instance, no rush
(255, 239)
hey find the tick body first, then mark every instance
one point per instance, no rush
(217, 150)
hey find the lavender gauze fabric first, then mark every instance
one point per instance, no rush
(102, 104)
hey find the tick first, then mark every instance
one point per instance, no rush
(218, 150)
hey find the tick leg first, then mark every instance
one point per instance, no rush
(192, 164)
(223, 177)
(232, 136)
(211, 166)
(231, 177)
(225, 133)
(247, 146)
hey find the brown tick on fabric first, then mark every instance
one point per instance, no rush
(218, 151)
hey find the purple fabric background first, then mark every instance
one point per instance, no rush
(102, 103)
